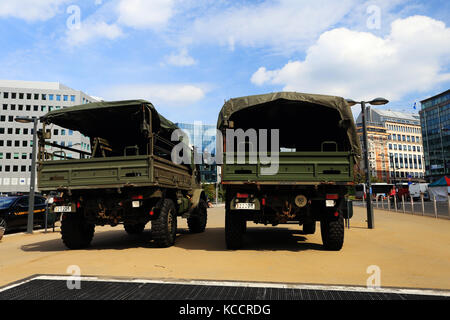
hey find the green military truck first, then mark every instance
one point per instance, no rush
(315, 150)
(128, 177)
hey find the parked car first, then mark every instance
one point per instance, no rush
(14, 211)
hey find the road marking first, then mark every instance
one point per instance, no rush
(427, 292)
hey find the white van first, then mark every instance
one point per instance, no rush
(416, 188)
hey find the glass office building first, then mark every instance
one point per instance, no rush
(435, 120)
(203, 138)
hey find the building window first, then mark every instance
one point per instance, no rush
(28, 108)
(20, 107)
(35, 108)
(36, 96)
(5, 107)
(58, 97)
(63, 132)
(72, 98)
(21, 96)
(43, 108)
(5, 95)
(23, 168)
(13, 95)
(51, 97)
(70, 132)
(13, 107)
(66, 98)
(44, 96)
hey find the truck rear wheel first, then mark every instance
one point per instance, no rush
(197, 222)
(76, 233)
(234, 229)
(134, 228)
(332, 230)
(164, 228)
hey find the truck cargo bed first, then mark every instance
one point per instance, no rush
(112, 172)
(295, 167)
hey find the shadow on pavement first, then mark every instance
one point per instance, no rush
(213, 239)
(256, 238)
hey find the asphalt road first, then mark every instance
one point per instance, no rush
(410, 252)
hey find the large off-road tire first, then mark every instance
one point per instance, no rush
(332, 230)
(197, 222)
(76, 233)
(309, 227)
(164, 228)
(234, 229)
(134, 228)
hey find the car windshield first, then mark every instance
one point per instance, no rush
(6, 202)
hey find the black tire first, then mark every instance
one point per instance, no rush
(234, 229)
(134, 228)
(332, 230)
(197, 222)
(76, 233)
(309, 227)
(164, 228)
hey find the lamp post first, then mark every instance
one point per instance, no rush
(375, 102)
(33, 120)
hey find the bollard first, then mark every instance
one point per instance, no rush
(412, 204)
(395, 203)
(423, 204)
(382, 203)
(435, 207)
(448, 197)
(46, 219)
(389, 203)
(403, 203)
(377, 201)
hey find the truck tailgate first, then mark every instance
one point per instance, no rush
(296, 167)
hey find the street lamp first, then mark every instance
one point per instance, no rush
(374, 102)
(33, 120)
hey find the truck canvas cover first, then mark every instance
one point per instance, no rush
(299, 114)
(111, 120)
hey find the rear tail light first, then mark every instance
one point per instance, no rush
(332, 196)
(140, 197)
(263, 201)
(242, 195)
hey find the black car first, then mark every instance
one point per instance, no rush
(14, 211)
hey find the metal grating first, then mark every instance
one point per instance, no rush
(39, 289)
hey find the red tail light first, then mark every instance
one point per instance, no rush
(140, 197)
(242, 195)
(151, 213)
(78, 205)
(263, 201)
(332, 196)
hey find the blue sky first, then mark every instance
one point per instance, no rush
(188, 56)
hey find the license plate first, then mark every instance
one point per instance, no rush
(245, 206)
(63, 209)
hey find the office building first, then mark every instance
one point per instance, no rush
(32, 99)
(435, 119)
(395, 145)
(203, 138)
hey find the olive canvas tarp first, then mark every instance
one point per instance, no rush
(110, 120)
(303, 116)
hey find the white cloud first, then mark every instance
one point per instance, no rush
(90, 30)
(181, 59)
(360, 65)
(145, 14)
(281, 24)
(159, 94)
(31, 10)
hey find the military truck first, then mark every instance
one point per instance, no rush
(315, 153)
(128, 177)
